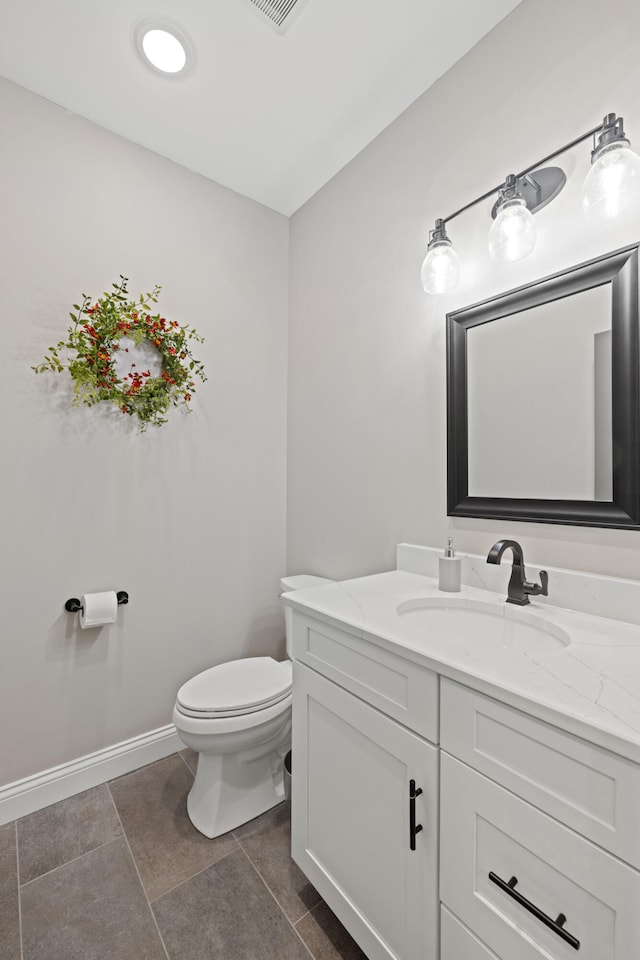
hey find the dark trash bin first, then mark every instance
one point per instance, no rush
(287, 777)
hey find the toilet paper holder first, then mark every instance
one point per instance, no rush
(73, 605)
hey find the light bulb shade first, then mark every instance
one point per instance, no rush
(513, 232)
(441, 267)
(612, 186)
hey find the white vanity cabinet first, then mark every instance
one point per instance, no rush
(536, 831)
(365, 795)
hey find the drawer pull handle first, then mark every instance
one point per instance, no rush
(556, 925)
(414, 828)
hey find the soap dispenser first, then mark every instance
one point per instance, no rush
(449, 570)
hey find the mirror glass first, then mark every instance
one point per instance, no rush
(539, 401)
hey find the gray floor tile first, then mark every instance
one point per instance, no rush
(90, 909)
(65, 830)
(226, 913)
(9, 910)
(267, 842)
(152, 803)
(325, 936)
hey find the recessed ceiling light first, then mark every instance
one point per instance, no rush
(163, 47)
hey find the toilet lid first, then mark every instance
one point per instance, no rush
(239, 686)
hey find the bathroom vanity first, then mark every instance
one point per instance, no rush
(466, 778)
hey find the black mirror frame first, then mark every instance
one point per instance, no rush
(619, 268)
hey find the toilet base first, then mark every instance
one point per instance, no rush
(231, 789)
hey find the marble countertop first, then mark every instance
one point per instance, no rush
(590, 686)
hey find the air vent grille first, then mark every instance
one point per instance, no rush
(277, 12)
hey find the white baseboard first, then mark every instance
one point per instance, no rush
(32, 793)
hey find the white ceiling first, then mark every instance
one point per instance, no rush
(273, 116)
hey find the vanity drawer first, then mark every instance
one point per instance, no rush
(458, 943)
(589, 789)
(487, 830)
(399, 688)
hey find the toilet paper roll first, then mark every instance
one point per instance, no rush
(98, 609)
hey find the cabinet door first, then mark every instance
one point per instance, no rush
(351, 818)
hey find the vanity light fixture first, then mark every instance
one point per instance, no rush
(612, 183)
(163, 48)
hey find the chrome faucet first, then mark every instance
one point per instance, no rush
(519, 588)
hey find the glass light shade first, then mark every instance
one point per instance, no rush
(441, 268)
(513, 232)
(164, 51)
(612, 185)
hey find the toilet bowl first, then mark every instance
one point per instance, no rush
(237, 716)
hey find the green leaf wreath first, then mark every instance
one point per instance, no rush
(90, 352)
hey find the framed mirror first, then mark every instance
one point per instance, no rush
(543, 399)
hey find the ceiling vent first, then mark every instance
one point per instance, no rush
(279, 14)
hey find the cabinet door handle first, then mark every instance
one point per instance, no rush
(414, 828)
(556, 925)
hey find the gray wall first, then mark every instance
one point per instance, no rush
(367, 387)
(189, 518)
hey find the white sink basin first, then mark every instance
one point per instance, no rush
(476, 621)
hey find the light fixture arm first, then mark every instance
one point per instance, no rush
(438, 234)
(610, 128)
(612, 132)
(509, 189)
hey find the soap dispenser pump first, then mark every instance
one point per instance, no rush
(450, 570)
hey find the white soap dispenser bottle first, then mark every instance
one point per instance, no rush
(450, 570)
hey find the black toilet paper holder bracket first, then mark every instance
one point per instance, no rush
(73, 605)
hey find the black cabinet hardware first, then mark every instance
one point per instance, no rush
(556, 925)
(414, 828)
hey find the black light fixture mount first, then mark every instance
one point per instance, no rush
(537, 189)
(612, 131)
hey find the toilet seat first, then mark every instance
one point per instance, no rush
(235, 688)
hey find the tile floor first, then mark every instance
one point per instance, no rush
(119, 873)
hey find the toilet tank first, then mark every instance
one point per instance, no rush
(302, 581)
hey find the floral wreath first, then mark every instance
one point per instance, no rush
(93, 342)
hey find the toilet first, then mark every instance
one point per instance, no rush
(237, 716)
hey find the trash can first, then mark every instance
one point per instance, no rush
(287, 777)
